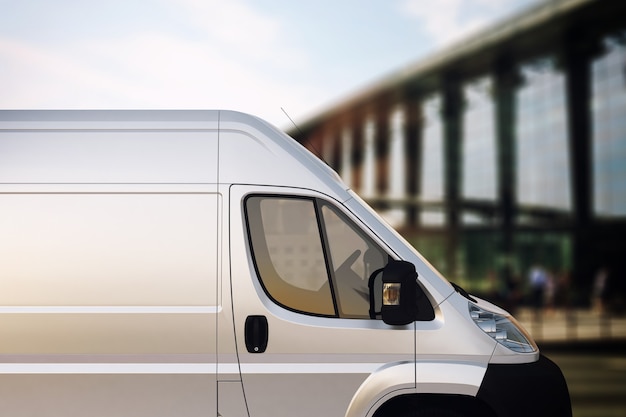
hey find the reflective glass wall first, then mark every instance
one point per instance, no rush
(478, 147)
(543, 171)
(432, 161)
(609, 128)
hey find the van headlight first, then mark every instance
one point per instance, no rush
(503, 329)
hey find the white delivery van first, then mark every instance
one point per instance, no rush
(202, 263)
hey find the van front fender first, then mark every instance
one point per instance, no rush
(392, 380)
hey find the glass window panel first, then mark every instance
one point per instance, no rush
(432, 160)
(433, 217)
(397, 166)
(542, 154)
(368, 182)
(397, 176)
(432, 185)
(479, 174)
(609, 128)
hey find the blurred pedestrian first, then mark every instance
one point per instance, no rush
(513, 292)
(598, 292)
(563, 294)
(538, 279)
(549, 292)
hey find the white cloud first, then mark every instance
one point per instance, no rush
(34, 77)
(149, 70)
(198, 54)
(446, 21)
(242, 29)
(237, 59)
(232, 21)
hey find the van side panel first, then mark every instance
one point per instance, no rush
(108, 302)
(117, 156)
(109, 263)
(104, 395)
(108, 249)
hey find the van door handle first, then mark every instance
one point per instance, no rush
(256, 334)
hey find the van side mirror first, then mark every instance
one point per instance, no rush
(400, 291)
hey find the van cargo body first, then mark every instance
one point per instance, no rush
(203, 263)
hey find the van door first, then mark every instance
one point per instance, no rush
(301, 304)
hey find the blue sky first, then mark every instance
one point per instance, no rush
(254, 56)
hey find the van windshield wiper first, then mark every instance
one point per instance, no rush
(463, 292)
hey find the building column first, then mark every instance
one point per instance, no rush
(324, 141)
(356, 127)
(412, 152)
(382, 147)
(346, 155)
(452, 109)
(334, 149)
(505, 81)
(577, 62)
(368, 168)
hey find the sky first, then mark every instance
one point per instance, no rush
(264, 57)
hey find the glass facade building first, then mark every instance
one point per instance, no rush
(506, 150)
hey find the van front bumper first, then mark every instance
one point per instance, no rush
(535, 389)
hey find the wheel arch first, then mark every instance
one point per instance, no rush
(463, 405)
(394, 386)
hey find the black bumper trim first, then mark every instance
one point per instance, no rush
(535, 389)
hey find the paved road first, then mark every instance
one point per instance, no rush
(596, 380)
(573, 326)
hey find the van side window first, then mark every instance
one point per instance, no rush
(310, 257)
(288, 253)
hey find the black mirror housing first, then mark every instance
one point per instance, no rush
(400, 291)
(400, 297)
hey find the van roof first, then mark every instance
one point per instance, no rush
(251, 151)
